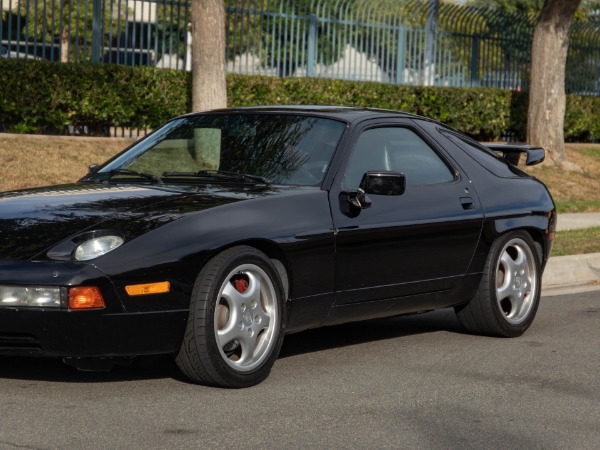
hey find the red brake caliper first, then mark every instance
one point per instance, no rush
(241, 285)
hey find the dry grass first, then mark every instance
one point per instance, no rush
(29, 161)
(574, 192)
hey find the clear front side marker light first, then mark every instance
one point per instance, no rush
(36, 296)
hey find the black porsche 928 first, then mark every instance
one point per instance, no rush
(220, 232)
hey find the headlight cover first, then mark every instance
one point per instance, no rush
(39, 296)
(87, 245)
(97, 246)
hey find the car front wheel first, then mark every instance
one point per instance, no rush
(235, 327)
(509, 293)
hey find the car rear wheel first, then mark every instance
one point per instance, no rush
(509, 293)
(235, 327)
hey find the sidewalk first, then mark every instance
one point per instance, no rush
(573, 273)
(577, 221)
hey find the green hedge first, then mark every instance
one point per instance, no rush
(484, 113)
(44, 97)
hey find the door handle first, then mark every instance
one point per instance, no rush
(467, 203)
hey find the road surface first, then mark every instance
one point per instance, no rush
(411, 382)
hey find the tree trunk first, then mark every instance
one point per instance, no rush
(64, 45)
(64, 37)
(547, 99)
(209, 87)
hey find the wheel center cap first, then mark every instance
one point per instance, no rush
(248, 318)
(517, 282)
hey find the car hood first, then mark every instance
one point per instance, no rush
(34, 220)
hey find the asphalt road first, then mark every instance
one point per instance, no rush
(412, 382)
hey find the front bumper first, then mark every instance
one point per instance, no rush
(59, 332)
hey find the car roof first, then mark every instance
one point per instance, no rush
(345, 113)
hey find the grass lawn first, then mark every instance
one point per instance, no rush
(577, 242)
(29, 161)
(574, 192)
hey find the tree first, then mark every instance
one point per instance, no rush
(547, 99)
(514, 29)
(209, 86)
(586, 8)
(550, 46)
(510, 6)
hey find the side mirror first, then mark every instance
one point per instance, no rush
(374, 183)
(383, 183)
(359, 199)
(93, 167)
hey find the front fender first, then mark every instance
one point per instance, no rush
(298, 223)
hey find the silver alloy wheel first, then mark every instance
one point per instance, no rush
(246, 318)
(516, 281)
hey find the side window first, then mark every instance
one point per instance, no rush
(399, 150)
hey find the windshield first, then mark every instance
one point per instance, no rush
(285, 149)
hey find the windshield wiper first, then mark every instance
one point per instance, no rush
(220, 174)
(147, 176)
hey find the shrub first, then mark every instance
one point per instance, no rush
(45, 97)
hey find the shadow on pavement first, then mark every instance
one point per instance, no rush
(327, 338)
(44, 369)
(53, 370)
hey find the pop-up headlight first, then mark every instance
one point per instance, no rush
(87, 245)
(98, 246)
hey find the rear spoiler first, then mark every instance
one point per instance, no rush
(512, 153)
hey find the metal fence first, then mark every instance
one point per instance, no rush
(416, 42)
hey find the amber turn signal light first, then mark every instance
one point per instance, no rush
(85, 297)
(149, 288)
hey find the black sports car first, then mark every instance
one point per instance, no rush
(217, 234)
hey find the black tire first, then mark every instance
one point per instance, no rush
(509, 292)
(236, 324)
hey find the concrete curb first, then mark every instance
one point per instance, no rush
(573, 270)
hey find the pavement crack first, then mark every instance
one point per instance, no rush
(13, 445)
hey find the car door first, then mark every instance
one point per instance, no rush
(418, 242)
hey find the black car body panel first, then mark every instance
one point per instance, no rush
(56, 213)
(422, 250)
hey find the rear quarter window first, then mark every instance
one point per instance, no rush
(484, 156)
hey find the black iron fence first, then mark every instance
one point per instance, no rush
(416, 42)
